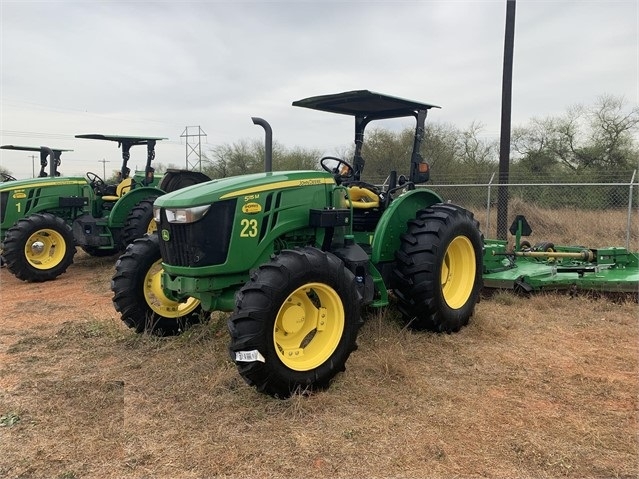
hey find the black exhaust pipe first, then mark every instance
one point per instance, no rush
(268, 142)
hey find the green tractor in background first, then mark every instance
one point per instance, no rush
(295, 255)
(43, 219)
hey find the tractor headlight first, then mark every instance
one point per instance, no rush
(184, 215)
(156, 214)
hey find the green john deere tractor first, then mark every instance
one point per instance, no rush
(43, 219)
(295, 255)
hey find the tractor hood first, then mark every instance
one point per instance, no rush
(224, 227)
(42, 182)
(242, 187)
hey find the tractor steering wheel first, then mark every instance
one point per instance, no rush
(97, 183)
(7, 177)
(337, 167)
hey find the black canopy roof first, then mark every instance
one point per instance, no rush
(364, 103)
(132, 140)
(29, 148)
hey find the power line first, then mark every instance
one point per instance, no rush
(104, 162)
(39, 106)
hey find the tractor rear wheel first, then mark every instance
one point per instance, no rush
(139, 221)
(295, 322)
(439, 268)
(39, 248)
(138, 294)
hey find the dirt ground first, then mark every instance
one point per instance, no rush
(80, 292)
(81, 288)
(542, 387)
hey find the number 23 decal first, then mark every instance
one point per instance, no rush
(249, 228)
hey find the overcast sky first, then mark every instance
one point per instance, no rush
(153, 68)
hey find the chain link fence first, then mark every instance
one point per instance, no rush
(593, 215)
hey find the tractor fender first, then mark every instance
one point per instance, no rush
(125, 204)
(392, 224)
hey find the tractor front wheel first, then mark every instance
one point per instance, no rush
(295, 322)
(138, 294)
(439, 268)
(39, 248)
(139, 221)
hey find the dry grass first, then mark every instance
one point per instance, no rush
(571, 227)
(539, 387)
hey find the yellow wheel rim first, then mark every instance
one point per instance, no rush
(152, 228)
(309, 326)
(157, 300)
(45, 249)
(458, 272)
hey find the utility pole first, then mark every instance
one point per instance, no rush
(506, 107)
(33, 166)
(104, 162)
(193, 149)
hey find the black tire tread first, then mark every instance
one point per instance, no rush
(257, 304)
(127, 285)
(137, 221)
(418, 261)
(15, 239)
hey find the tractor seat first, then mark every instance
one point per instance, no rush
(123, 188)
(363, 198)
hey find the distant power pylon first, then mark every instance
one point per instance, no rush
(193, 147)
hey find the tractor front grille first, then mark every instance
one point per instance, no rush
(202, 243)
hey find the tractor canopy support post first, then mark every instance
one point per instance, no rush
(44, 152)
(126, 154)
(150, 156)
(358, 160)
(416, 158)
(55, 162)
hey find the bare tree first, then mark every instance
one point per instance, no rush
(244, 157)
(474, 150)
(612, 126)
(5, 173)
(594, 140)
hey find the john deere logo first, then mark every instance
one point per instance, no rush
(251, 208)
(165, 235)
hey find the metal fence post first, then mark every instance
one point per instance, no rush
(488, 205)
(630, 210)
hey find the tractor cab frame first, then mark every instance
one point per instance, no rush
(48, 157)
(367, 106)
(125, 143)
